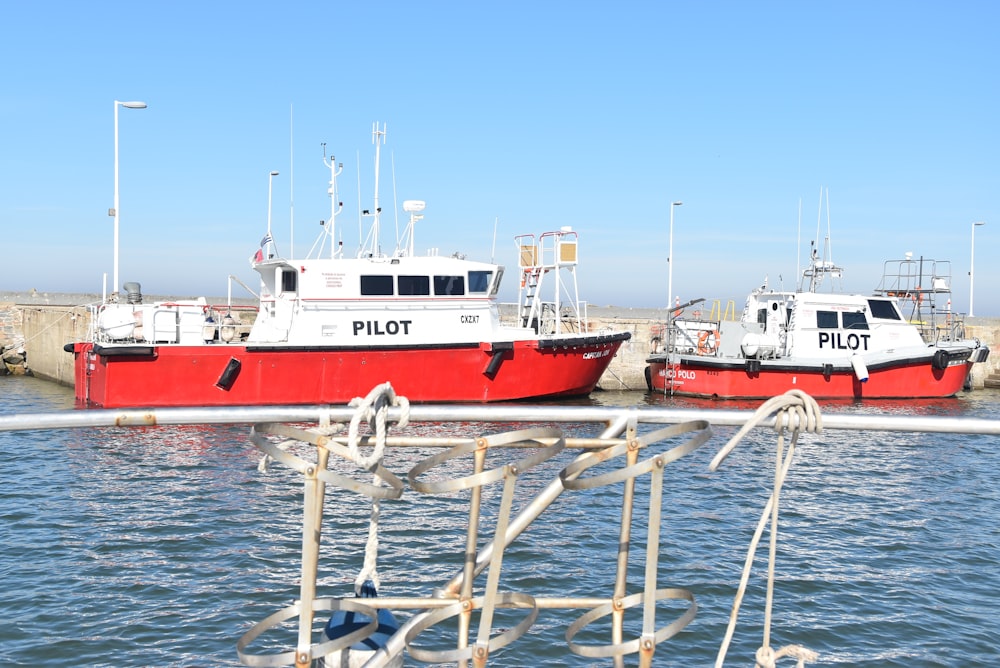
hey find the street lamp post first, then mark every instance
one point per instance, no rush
(972, 262)
(670, 264)
(270, 183)
(114, 211)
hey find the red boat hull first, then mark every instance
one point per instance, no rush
(904, 380)
(238, 375)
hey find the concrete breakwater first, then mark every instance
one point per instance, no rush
(41, 324)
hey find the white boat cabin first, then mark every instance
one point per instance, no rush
(376, 301)
(817, 325)
(803, 325)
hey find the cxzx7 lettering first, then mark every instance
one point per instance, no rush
(376, 328)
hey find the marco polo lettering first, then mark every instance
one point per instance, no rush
(838, 341)
(376, 328)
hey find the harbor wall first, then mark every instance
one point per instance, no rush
(43, 329)
(987, 330)
(47, 329)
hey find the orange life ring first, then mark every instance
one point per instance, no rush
(708, 342)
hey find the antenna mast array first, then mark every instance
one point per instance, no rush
(378, 138)
(336, 206)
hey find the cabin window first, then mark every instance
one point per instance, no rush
(855, 321)
(289, 281)
(449, 285)
(883, 308)
(826, 319)
(376, 286)
(479, 281)
(413, 285)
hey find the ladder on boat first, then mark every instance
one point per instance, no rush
(531, 277)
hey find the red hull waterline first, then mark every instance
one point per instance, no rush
(239, 375)
(904, 381)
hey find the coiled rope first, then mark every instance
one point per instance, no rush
(374, 409)
(799, 412)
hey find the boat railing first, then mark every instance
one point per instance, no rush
(717, 312)
(922, 288)
(510, 314)
(166, 322)
(611, 447)
(912, 278)
(950, 328)
(548, 295)
(688, 330)
(228, 322)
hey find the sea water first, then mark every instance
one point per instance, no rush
(162, 546)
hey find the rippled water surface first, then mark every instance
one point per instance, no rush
(162, 546)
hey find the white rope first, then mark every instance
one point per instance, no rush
(767, 657)
(806, 418)
(375, 409)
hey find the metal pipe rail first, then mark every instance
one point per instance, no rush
(248, 415)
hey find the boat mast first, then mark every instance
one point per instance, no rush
(378, 138)
(821, 266)
(335, 205)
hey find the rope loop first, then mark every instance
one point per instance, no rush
(799, 412)
(806, 411)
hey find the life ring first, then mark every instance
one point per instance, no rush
(708, 342)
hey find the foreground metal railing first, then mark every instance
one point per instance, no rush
(610, 416)
(630, 442)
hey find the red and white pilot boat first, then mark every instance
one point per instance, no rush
(328, 329)
(895, 343)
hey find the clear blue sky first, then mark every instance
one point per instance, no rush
(536, 114)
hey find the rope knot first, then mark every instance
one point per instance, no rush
(767, 657)
(374, 409)
(806, 413)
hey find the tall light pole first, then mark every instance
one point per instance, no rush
(114, 211)
(972, 262)
(270, 183)
(670, 264)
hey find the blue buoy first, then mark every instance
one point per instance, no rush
(343, 622)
